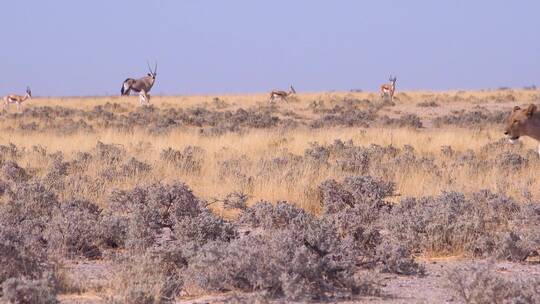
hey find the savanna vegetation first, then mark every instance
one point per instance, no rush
(326, 197)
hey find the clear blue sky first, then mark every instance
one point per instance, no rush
(69, 47)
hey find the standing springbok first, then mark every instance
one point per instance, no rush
(282, 94)
(18, 99)
(388, 89)
(142, 85)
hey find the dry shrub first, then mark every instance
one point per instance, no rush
(286, 252)
(511, 161)
(405, 121)
(357, 210)
(277, 265)
(193, 231)
(13, 173)
(357, 191)
(73, 230)
(470, 119)
(24, 217)
(481, 225)
(152, 208)
(190, 160)
(25, 265)
(151, 277)
(371, 160)
(57, 171)
(113, 230)
(527, 224)
(341, 116)
(149, 209)
(10, 152)
(428, 104)
(480, 284)
(235, 200)
(396, 257)
(29, 208)
(160, 225)
(133, 167)
(18, 257)
(267, 216)
(109, 153)
(28, 291)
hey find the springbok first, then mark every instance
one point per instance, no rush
(282, 94)
(388, 89)
(142, 85)
(18, 99)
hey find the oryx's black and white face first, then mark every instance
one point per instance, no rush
(28, 91)
(143, 84)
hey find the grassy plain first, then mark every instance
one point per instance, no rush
(254, 145)
(327, 196)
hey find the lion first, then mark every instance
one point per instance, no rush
(523, 122)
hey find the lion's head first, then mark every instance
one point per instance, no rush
(520, 122)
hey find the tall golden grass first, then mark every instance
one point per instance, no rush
(258, 144)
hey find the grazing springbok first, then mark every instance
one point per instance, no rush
(142, 85)
(282, 94)
(388, 89)
(18, 99)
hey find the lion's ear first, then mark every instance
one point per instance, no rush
(531, 109)
(517, 108)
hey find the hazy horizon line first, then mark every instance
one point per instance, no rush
(358, 91)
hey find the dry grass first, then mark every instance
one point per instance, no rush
(257, 144)
(68, 154)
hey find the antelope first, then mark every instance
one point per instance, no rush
(282, 94)
(142, 85)
(388, 89)
(18, 99)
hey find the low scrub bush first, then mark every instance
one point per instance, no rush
(151, 277)
(18, 257)
(480, 225)
(280, 263)
(405, 121)
(428, 104)
(73, 229)
(189, 160)
(150, 209)
(27, 210)
(28, 291)
(11, 171)
(470, 119)
(480, 284)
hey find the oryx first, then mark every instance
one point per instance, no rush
(142, 85)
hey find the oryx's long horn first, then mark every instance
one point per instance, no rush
(149, 68)
(155, 68)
